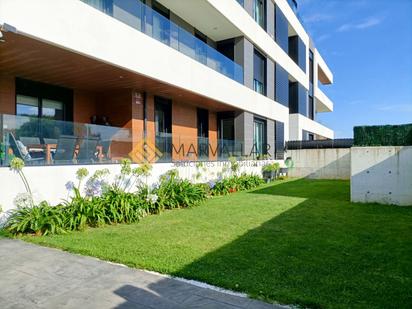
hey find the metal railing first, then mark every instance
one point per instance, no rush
(143, 18)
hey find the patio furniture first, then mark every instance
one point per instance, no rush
(33, 145)
(20, 151)
(283, 171)
(87, 150)
(66, 145)
(49, 140)
(105, 150)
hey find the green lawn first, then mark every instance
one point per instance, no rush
(293, 242)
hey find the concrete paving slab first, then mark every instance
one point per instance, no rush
(39, 277)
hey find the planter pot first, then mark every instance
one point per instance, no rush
(269, 175)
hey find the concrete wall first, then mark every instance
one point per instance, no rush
(320, 163)
(382, 175)
(48, 182)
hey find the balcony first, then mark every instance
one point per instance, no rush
(143, 18)
(323, 103)
(43, 141)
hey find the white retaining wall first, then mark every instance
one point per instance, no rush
(382, 175)
(48, 182)
(320, 163)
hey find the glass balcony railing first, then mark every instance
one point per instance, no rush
(43, 141)
(143, 18)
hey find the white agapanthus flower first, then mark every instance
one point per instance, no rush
(152, 198)
(23, 200)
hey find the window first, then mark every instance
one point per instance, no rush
(163, 127)
(52, 109)
(202, 122)
(259, 9)
(259, 73)
(311, 108)
(27, 106)
(259, 137)
(35, 99)
(203, 133)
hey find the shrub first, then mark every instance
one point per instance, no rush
(122, 207)
(273, 167)
(174, 192)
(41, 219)
(235, 183)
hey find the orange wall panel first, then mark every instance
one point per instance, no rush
(184, 130)
(212, 136)
(84, 106)
(7, 95)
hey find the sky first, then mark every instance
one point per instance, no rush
(368, 46)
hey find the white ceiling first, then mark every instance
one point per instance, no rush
(204, 17)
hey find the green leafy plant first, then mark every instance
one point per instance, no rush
(40, 219)
(235, 183)
(273, 167)
(174, 192)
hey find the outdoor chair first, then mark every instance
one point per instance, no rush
(66, 145)
(87, 150)
(38, 152)
(49, 140)
(20, 151)
(105, 149)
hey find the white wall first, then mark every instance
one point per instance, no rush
(320, 163)
(382, 175)
(298, 122)
(76, 26)
(48, 182)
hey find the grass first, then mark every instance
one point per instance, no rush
(294, 242)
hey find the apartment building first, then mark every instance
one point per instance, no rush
(85, 81)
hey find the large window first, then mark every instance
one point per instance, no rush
(203, 133)
(163, 127)
(259, 137)
(259, 12)
(259, 73)
(42, 100)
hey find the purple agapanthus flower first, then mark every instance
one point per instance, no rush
(70, 186)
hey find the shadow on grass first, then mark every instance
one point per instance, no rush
(334, 190)
(318, 255)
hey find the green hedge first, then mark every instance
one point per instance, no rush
(389, 135)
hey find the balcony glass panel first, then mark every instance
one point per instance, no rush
(143, 18)
(43, 141)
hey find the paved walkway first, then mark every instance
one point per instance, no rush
(36, 277)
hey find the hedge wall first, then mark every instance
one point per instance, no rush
(399, 135)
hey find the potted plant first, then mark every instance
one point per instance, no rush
(270, 171)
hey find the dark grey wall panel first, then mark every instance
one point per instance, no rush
(270, 85)
(270, 18)
(244, 57)
(270, 133)
(301, 55)
(279, 140)
(281, 29)
(282, 85)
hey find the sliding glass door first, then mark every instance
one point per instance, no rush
(259, 136)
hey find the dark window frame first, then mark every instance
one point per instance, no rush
(262, 57)
(43, 91)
